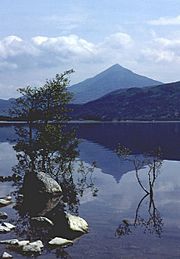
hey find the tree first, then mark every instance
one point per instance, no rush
(45, 103)
(54, 98)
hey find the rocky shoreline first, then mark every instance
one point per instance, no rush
(43, 185)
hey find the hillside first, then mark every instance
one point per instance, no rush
(5, 105)
(149, 103)
(114, 78)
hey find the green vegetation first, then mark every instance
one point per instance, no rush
(45, 103)
(47, 144)
(148, 103)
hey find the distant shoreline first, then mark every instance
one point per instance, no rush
(97, 122)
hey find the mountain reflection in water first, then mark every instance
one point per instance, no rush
(147, 208)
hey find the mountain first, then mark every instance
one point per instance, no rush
(149, 103)
(114, 78)
(5, 105)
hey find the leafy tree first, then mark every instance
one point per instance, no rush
(47, 144)
(45, 103)
(54, 98)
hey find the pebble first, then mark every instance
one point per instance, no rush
(33, 247)
(3, 215)
(5, 201)
(23, 243)
(43, 220)
(9, 242)
(58, 241)
(4, 229)
(8, 225)
(6, 255)
(15, 242)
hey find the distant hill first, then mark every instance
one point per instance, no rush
(149, 103)
(5, 105)
(114, 78)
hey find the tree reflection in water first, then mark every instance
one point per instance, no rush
(153, 222)
(52, 149)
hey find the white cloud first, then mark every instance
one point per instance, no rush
(168, 43)
(158, 55)
(42, 51)
(118, 40)
(163, 49)
(46, 52)
(39, 40)
(116, 48)
(65, 45)
(12, 46)
(31, 61)
(162, 21)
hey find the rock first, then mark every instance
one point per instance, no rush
(23, 243)
(42, 221)
(49, 204)
(5, 201)
(8, 225)
(4, 229)
(8, 198)
(33, 247)
(38, 243)
(77, 224)
(20, 196)
(9, 242)
(58, 241)
(6, 255)
(15, 242)
(3, 215)
(41, 204)
(40, 183)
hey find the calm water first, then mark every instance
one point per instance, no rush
(124, 221)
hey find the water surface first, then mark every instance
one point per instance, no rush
(111, 213)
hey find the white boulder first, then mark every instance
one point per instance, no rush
(77, 224)
(4, 229)
(9, 242)
(6, 255)
(58, 241)
(41, 183)
(33, 247)
(5, 201)
(22, 243)
(8, 225)
(15, 242)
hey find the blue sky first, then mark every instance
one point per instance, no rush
(41, 38)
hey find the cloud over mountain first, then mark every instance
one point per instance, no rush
(30, 61)
(163, 50)
(163, 21)
(42, 51)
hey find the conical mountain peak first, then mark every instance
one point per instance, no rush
(113, 78)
